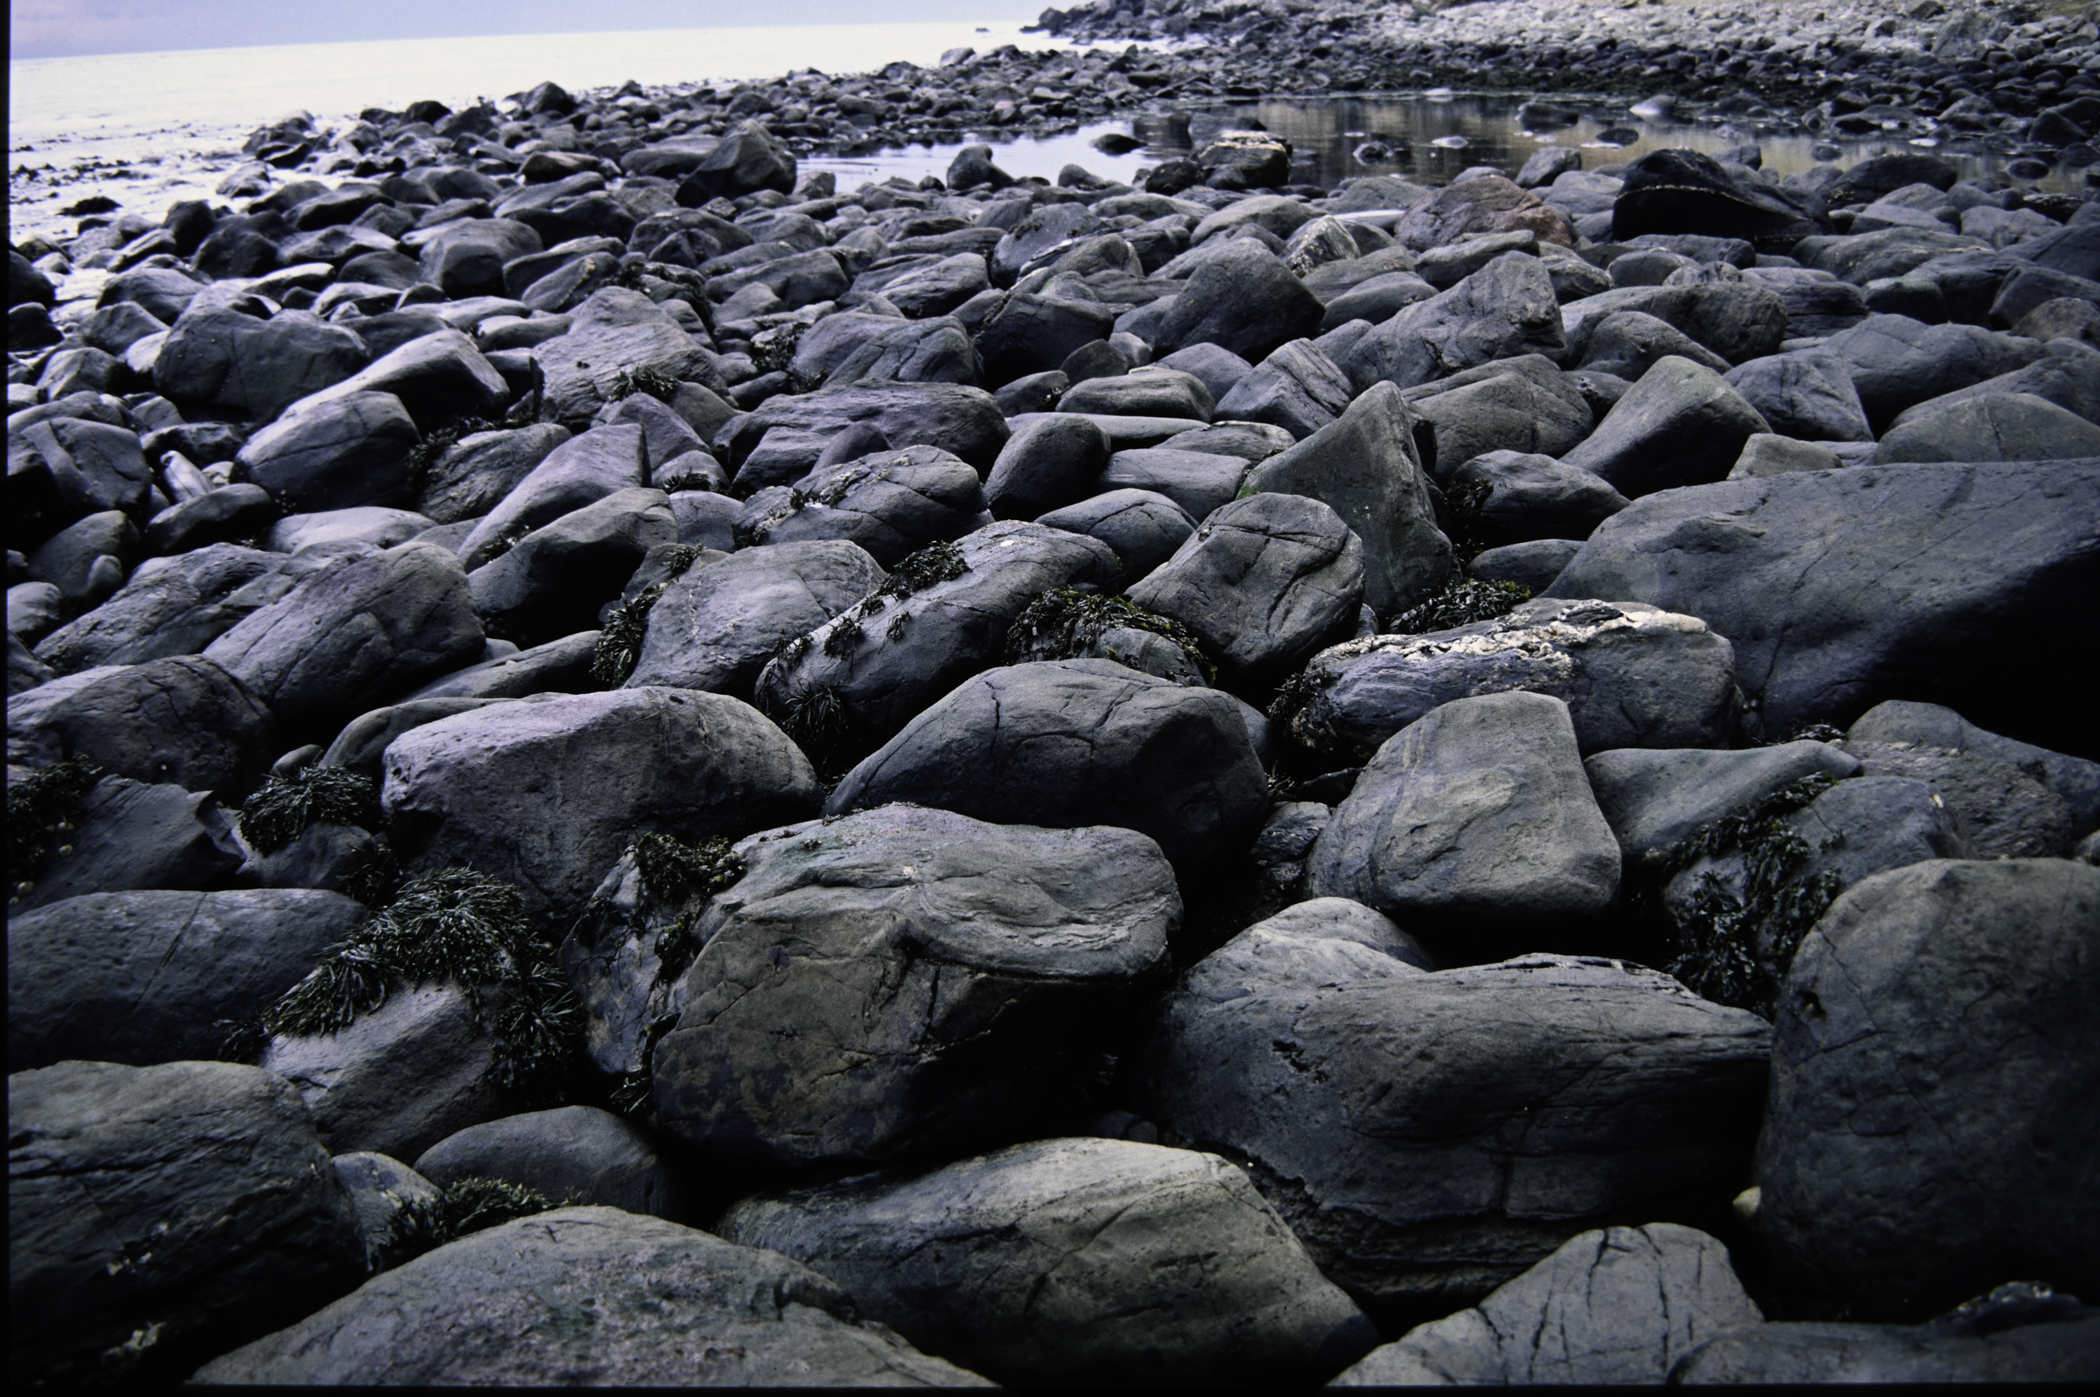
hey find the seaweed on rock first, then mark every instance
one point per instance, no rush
(671, 868)
(284, 806)
(1461, 602)
(468, 1205)
(1064, 622)
(40, 809)
(619, 646)
(655, 383)
(452, 925)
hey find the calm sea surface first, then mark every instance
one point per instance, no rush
(149, 129)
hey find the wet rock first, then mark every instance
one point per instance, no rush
(363, 629)
(128, 835)
(1263, 582)
(1737, 320)
(715, 627)
(615, 331)
(1990, 427)
(1896, 362)
(2005, 811)
(228, 514)
(1064, 1259)
(890, 503)
(1632, 676)
(222, 359)
(579, 472)
(333, 529)
(579, 1152)
(2051, 1347)
(1073, 742)
(553, 581)
(1049, 462)
(1806, 394)
(1031, 334)
(1681, 424)
(1035, 938)
(1903, 970)
(1483, 204)
(1507, 308)
(159, 1214)
(1533, 496)
(1618, 1305)
(64, 468)
(1367, 467)
(1532, 566)
(1147, 392)
(502, 788)
(1653, 798)
(172, 606)
(1523, 404)
(1684, 191)
(1475, 816)
(490, 1308)
(1297, 388)
(1898, 722)
(348, 451)
(1421, 1197)
(1143, 527)
(962, 421)
(180, 720)
(1199, 481)
(1970, 551)
(1245, 300)
(438, 379)
(467, 258)
(883, 671)
(150, 977)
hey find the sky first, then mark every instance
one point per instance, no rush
(62, 28)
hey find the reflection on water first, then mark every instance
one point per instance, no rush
(1427, 140)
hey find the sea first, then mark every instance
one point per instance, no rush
(150, 129)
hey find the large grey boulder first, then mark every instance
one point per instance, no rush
(471, 476)
(1367, 467)
(155, 976)
(1653, 798)
(1991, 427)
(717, 625)
(946, 979)
(1630, 674)
(127, 835)
(1618, 1305)
(2075, 779)
(439, 378)
(1505, 309)
(1681, 424)
(1738, 320)
(182, 720)
(2059, 1345)
(553, 581)
(1520, 404)
(527, 1304)
(351, 450)
(616, 331)
(1896, 362)
(1244, 299)
(1263, 583)
(222, 359)
(1144, 527)
(960, 420)
(1430, 1135)
(1948, 583)
(1475, 821)
(157, 1215)
(888, 659)
(1807, 394)
(1534, 497)
(892, 504)
(1901, 1168)
(580, 1152)
(1073, 1260)
(580, 471)
(2005, 812)
(365, 628)
(173, 606)
(1068, 743)
(1198, 481)
(1050, 462)
(546, 792)
(1296, 388)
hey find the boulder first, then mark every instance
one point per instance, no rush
(888, 659)
(230, 514)
(962, 421)
(1904, 1193)
(1521, 404)
(2005, 811)
(156, 976)
(467, 258)
(746, 161)
(1992, 427)
(1199, 481)
(1631, 675)
(1245, 299)
(350, 450)
(1896, 362)
(1049, 462)
(553, 581)
(1144, 527)
(1617, 1305)
(471, 476)
(1036, 941)
(1296, 388)
(560, 666)
(63, 468)
(1031, 334)
(1686, 191)
(1532, 566)
(2057, 1345)
(506, 1307)
(222, 359)
(545, 793)
(127, 835)
(1145, 392)
(1655, 797)
(158, 1215)
(332, 529)
(1068, 743)
(1476, 820)
(2075, 780)
(614, 332)
(1838, 589)
(716, 626)
(1367, 467)
(1681, 424)
(1507, 308)
(183, 721)
(1483, 204)
(1806, 394)
(438, 378)
(172, 606)
(571, 1152)
(1263, 583)
(1535, 497)
(1431, 1135)
(580, 471)
(1737, 320)
(1073, 1260)
(364, 628)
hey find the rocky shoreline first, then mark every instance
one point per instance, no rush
(626, 766)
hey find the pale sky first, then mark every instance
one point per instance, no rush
(59, 28)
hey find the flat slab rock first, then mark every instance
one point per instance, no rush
(589, 1296)
(902, 978)
(1073, 1260)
